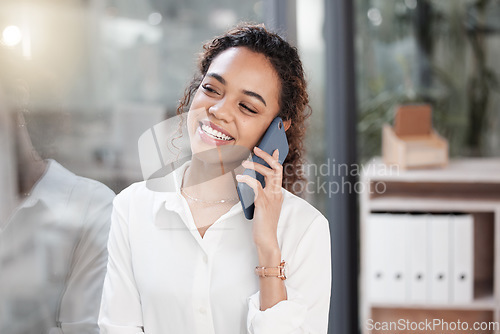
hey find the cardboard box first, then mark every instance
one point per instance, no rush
(413, 143)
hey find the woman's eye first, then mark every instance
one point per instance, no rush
(244, 106)
(209, 89)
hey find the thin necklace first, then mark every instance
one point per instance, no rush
(199, 200)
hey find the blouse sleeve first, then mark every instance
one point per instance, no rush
(79, 306)
(308, 288)
(120, 311)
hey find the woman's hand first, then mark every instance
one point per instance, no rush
(267, 200)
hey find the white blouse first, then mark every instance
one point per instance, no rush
(164, 278)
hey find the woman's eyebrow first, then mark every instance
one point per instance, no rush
(250, 93)
(246, 92)
(217, 77)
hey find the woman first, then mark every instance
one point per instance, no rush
(186, 260)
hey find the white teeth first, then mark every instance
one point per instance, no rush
(214, 133)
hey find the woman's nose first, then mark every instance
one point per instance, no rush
(221, 110)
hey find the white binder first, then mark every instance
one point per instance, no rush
(462, 280)
(376, 254)
(418, 275)
(439, 259)
(396, 258)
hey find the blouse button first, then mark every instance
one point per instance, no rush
(202, 310)
(205, 258)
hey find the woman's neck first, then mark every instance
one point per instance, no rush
(211, 182)
(29, 174)
(30, 166)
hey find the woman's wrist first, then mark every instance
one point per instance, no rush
(269, 255)
(272, 289)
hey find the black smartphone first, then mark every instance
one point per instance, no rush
(274, 138)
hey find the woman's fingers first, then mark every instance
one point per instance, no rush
(272, 160)
(259, 168)
(273, 176)
(252, 183)
(273, 180)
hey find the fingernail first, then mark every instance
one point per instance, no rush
(238, 177)
(256, 148)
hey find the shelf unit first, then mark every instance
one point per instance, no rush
(465, 186)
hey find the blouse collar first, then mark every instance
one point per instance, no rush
(168, 193)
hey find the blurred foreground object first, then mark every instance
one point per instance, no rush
(54, 226)
(412, 142)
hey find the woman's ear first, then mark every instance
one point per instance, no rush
(287, 124)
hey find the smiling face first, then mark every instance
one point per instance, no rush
(235, 102)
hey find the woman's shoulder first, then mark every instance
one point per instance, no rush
(292, 202)
(300, 223)
(149, 189)
(134, 192)
(296, 210)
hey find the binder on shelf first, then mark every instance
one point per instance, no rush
(377, 240)
(462, 280)
(417, 251)
(396, 260)
(439, 259)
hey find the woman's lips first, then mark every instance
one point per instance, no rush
(210, 135)
(215, 129)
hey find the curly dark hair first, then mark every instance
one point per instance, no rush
(293, 100)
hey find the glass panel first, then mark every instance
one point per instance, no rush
(310, 18)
